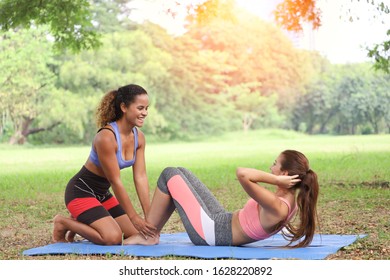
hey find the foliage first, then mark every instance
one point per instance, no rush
(92, 73)
(110, 15)
(77, 25)
(345, 100)
(291, 14)
(226, 73)
(202, 14)
(381, 55)
(256, 110)
(70, 22)
(28, 91)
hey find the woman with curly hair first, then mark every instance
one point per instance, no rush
(96, 214)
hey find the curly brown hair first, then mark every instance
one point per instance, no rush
(109, 109)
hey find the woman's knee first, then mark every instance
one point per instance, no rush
(112, 238)
(169, 172)
(108, 231)
(184, 170)
(165, 175)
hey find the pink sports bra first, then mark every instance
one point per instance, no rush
(250, 221)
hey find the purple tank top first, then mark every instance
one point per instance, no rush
(121, 162)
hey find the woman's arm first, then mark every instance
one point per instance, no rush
(139, 175)
(249, 179)
(105, 145)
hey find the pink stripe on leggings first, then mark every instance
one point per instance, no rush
(184, 196)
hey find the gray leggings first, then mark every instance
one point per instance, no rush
(205, 220)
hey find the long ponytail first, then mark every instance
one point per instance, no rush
(308, 190)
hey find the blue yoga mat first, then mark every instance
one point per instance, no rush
(178, 244)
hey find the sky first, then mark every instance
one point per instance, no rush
(338, 39)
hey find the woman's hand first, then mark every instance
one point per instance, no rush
(287, 181)
(144, 228)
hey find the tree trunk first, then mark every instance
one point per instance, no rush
(247, 122)
(17, 138)
(325, 122)
(20, 136)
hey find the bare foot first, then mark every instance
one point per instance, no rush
(59, 230)
(70, 236)
(138, 239)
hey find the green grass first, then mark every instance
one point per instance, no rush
(353, 173)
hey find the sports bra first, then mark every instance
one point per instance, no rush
(250, 221)
(93, 156)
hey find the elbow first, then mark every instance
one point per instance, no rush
(241, 173)
(243, 177)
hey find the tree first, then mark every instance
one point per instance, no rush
(28, 93)
(70, 22)
(381, 55)
(223, 52)
(364, 99)
(111, 15)
(346, 99)
(291, 14)
(253, 106)
(315, 109)
(189, 99)
(126, 57)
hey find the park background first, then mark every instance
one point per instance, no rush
(230, 89)
(230, 70)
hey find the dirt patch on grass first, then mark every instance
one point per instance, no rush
(352, 217)
(370, 184)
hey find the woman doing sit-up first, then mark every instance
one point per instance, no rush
(265, 213)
